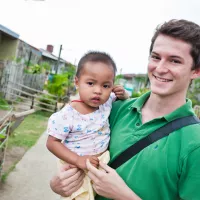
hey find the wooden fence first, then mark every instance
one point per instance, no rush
(7, 125)
(14, 72)
(35, 81)
(4, 129)
(30, 97)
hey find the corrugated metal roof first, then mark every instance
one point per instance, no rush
(8, 31)
(50, 55)
(35, 50)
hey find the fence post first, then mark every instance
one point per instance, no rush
(56, 105)
(3, 146)
(32, 104)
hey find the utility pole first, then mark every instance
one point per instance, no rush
(57, 65)
(29, 59)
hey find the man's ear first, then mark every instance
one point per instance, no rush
(195, 74)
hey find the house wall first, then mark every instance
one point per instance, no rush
(14, 54)
(24, 51)
(8, 47)
(61, 65)
(53, 64)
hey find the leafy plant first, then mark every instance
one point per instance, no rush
(28, 63)
(4, 104)
(34, 69)
(140, 92)
(194, 92)
(47, 100)
(117, 78)
(60, 84)
(46, 66)
(16, 59)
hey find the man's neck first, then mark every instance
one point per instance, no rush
(157, 106)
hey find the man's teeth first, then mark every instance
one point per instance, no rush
(162, 79)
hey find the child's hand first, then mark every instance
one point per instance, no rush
(81, 161)
(120, 92)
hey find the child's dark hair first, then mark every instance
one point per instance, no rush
(95, 56)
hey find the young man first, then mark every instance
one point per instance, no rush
(169, 168)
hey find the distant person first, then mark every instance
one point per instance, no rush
(83, 124)
(168, 169)
(46, 78)
(50, 77)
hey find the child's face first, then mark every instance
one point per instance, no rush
(95, 83)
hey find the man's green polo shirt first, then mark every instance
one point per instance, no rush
(168, 169)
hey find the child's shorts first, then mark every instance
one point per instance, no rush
(86, 191)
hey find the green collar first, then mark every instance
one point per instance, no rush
(138, 104)
(184, 110)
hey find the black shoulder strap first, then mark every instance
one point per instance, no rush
(153, 137)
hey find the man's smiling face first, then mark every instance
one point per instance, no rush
(170, 66)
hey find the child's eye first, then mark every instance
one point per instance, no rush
(106, 86)
(90, 83)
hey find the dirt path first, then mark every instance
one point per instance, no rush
(30, 179)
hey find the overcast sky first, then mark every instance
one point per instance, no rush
(123, 28)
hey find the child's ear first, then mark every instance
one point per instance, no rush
(76, 81)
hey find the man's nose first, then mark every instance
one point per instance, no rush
(162, 66)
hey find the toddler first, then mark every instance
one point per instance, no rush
(80, 131)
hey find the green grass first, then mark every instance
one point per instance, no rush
(5, 175)
(4, 104)
(27, 134)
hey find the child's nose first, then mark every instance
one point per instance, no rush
(97, 90)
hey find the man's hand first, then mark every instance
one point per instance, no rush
(109, 184)
(120, 92)
(67, 181)
(81, 161)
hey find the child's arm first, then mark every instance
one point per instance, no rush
(55, 146)
(120, 92)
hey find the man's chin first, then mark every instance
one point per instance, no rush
(159, 92)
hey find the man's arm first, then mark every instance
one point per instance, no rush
(189, 183)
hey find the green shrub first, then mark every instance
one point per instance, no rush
(48, 100)
(140, 92)
(194, 91)
(60, 84)
(36, 69)
(4, 104)
(117, 79)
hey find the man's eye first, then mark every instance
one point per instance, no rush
(90, 83)
(155, 57)
(175, 61)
